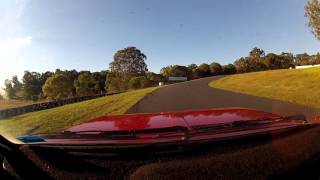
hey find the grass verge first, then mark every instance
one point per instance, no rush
(60, 118)
(301, 86)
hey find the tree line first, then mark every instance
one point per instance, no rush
(128, 70)
(55, 85)
(256, 60)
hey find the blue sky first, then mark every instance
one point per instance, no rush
(40, 35)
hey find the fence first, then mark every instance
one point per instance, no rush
(46, 105)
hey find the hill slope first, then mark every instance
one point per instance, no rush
(6, 104)
(301, 86)
(57, 119)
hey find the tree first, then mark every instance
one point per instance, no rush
(242, 65)
(100, 79)
(1, 97)
(215, 68)
(302, 59)
(287, 60)
(312, 11)
(116, 82)
(71, 75)
(273, 61)
(282, 61)
(45, 76)
(315, 59)
(257, 64)
(165, 71)
(249, 64)
(8, 88)
(17, 85)
(204, 69)
(127, 63)
(129, 60)
(256, 53)
(179, 71)
(31, 85)
(229, 69)
(13, 88)
(153, 77)
(175, 71)
(138, 82)
(254, 62)
(195, 73)
(58, 86)
(192, 67)
(85, 84)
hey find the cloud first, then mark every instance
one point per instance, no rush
(20, 4)
(11, 55)
(11, 14)
(11, 47)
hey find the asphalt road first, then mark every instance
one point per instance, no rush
(196, 94)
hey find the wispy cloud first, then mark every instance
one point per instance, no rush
(11, 14)
(10, 48)
(11, 55)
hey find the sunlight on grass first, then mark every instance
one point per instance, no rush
(301, 86)
(5, 104)
(60, 118)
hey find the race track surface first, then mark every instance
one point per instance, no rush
(196, 94)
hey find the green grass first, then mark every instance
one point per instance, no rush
(60, 118)
(301, 86)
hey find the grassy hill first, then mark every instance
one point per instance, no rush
(60, 118)
(301, 86)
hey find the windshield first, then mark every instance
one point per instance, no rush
(159, 89)
(65, 64)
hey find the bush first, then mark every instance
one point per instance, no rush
(215, 68)
(229, 69)
(116, 82)
(204, 70)
(138, 82)
(57, 87)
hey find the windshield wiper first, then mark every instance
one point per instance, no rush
(112, 135)
(174, 132)
(247, 123)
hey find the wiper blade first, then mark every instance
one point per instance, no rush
(140, 131)
(173, 133)
(235, 124)
(129, 134)
(248, 123)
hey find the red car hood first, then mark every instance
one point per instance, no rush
(197, 124)
(169, 119)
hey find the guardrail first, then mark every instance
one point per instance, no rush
(6, 113)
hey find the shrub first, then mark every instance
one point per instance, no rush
(215, 68)
(229, 69)
(138, 82)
